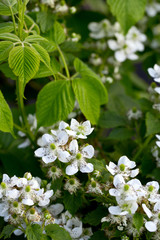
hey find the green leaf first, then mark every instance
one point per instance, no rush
(57, 33)
(120, 134)
(57, 233)
(5, 6)
(10, 37)
(55, 101)
(138, 221)
(72, 202)
(6, 27)
(30, 23)
(152, 124)
(34, 232)
(99, 235)
(24, 62)
(5, 116)
(109, 119)
(88, 98)
(5, 48)
(7, 231)
(43, 54)
(7, 71)
(127, 12)
(86, 72)
(94, 217)
(45, 20)
(35, 38)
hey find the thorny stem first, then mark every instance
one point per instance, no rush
(64, 62)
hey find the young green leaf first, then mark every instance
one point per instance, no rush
(35, 38)
(7, 231)
(72, 202)
(86, 72)
(127, 12)
(34, 232)
(56, 34)
(6, 27)
(10, 37)
(152, 124)
(138, 220)
(5, 116)
(55, 101)
(45, 20)
(87, 96)
(30, 23)
(24, 61)
(43, 54)
(94, 217)
(56, 232)
(6, 5)
(5, 48)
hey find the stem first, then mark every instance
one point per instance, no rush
(21, 11)
(13, 19)
(61, 75)
(19, 128)
(64, 62)
(29, 134)
(142, 147)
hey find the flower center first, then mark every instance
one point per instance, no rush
(78, 156)
(72, 181)
(15, 204)
(53, 169)
(28, 189)
(150, 188)
(93, 184)
(32, 211)
(126, 187)
(52, 146)
(122, 167)
(3, 185)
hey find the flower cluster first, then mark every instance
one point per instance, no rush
(59, 6)
(24, 201)
(62, 144)
(131, 196)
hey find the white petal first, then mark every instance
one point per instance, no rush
(157, 79)
(116, 210)
(118, 180)
(120, 56)
(47, 138)
(132, 56)
(114, 192)
(76, 232)
(146, 210)
(112, 168)
(158, 136)
(5, 178)
(4, 209)
(44, 202)
(62, 138)
(13, 193)
(72, 169)
(18, 232)
(152, 72)
(73, 146)
(158, 143)
(151, 226)
(86, 168)
(25, 144)
(125, 160)
(88, 151)
(48, 194)
(63, 156)
(113, 45)
(135, 183)
(28, 202)
(56, 209)
(49, 158)
(134, 173)
(63, 125)
(74, 124)
(40, 152)
(157, 207)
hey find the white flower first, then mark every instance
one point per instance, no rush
(95, 59)
(72, 185)
(101, 29)
(152, 9)
(52, 147)
(134, 113)
(158, 142)
(54, 172)
(155, 72)
(151, 226)
(94, 187)
(77, 159)
(123, 167)
(137, 37)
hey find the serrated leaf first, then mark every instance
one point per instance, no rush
(10, 37)
(111, 119)
(44, 56)
(7, 71)
(120, 134)
(45, 20)
(127, 12)
(88, 98)
(24, 62)
(152, 124)
(5, 7)
(94, 217)
(7, 231)
(55, 101)
(34, 232)
(57, 233)
(72, 202)
(86, 72)
(6, 27)
(138, 221)
(5, 116)
(35, 38)
(57, 34)
(5, 48)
